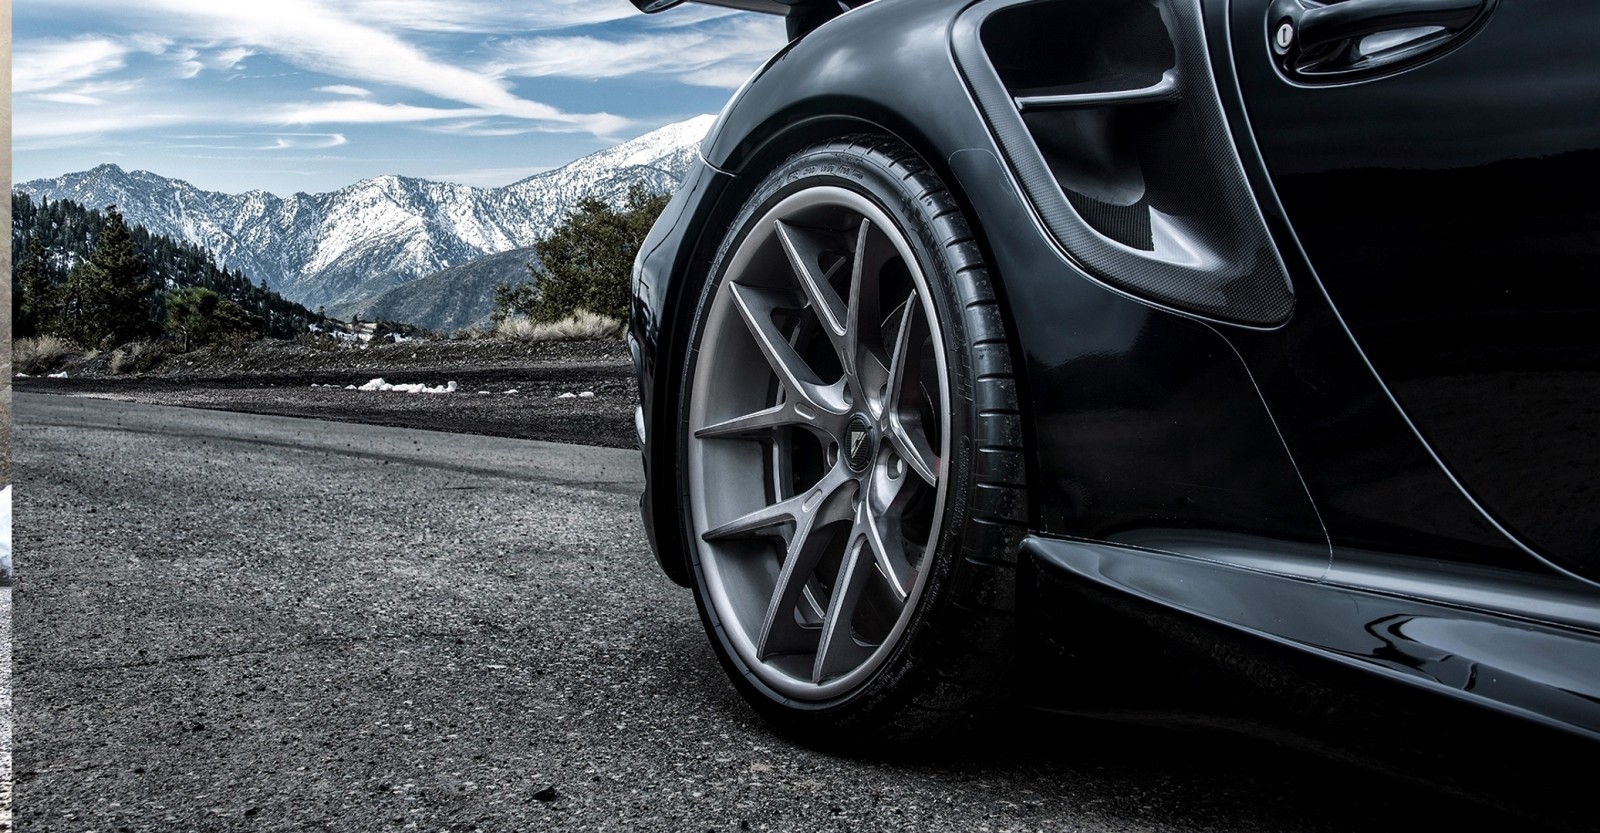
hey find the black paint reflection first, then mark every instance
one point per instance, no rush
(1450, 213)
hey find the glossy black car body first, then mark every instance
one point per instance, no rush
(1328, 390)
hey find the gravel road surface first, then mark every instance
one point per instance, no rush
(239, 622)
(575, 391)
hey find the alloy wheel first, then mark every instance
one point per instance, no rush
(818, 430)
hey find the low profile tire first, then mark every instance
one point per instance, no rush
(850, 451)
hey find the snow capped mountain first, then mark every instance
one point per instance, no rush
(343, 247)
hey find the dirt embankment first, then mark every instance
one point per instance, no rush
(564, 391)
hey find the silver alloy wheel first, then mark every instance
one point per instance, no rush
(818, 430)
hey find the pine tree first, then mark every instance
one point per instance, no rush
(586, 262)
(33, 293)
(513, 299)
(198, 316)
(109, 299)
(67, 231)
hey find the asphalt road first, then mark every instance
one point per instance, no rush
(238, 622)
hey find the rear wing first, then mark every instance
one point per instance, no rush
(801, 15)
(766, 6)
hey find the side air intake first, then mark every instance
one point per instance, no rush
(1108, 115)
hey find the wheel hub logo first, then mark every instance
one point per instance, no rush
(858, 442)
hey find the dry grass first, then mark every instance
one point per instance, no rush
(580, 325)
(36, 356)
(138, 357)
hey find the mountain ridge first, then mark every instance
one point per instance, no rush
(344, 247)
(454, 298)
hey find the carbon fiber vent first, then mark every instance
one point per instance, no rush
(1108, 115)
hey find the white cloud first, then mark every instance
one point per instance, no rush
(228, 58)
(455, 16)
(188, 67)
(345, 89)
(45, 67)
(101, 121)
(325, 37)
(481, 127)
(360, 112)
(721, 54)
(56, 143)
(108, 87)
(305, 141)
(71, 98)
(252, 142)
(48, 65)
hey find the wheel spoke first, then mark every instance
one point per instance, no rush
(822, 506)
(900, 369)
(906, 432)
(862, 318)
(755, 307)
(837, 650)
(888, 550)
(761, 521)
(805, 248)
(913, 448)
(760, 422)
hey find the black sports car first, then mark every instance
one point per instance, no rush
(1139, 355)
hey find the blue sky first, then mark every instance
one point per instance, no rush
(312, 95)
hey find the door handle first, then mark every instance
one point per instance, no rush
(1315, 39)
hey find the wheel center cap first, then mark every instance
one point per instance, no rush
(859, 443)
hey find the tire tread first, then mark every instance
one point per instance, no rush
(975, 635)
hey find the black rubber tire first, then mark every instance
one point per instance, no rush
(955, 657)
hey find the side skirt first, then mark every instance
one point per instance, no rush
(1481, 704)
(1489, 657)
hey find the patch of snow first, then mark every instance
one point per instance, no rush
(588, 394)
(568, 395)
(23, 376)
(5, 532)
(513, 390)
(61, 375)
(414, 387)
